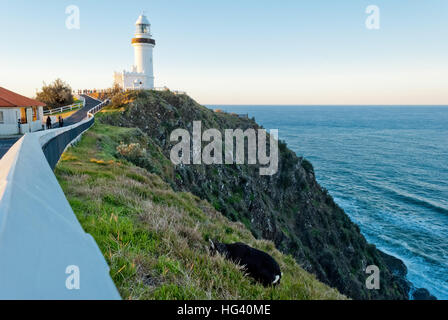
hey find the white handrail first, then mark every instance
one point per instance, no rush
(97, 108)
(62, 109)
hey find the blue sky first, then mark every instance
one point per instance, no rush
(238, 52)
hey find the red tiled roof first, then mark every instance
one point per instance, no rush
(9, 99)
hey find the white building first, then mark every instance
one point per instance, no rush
(142, 75)
(19, 114)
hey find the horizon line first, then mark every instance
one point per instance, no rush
(330, 105)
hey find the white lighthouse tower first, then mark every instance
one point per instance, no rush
(143, 45)
(142, 74)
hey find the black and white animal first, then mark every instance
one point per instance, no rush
(258, 264)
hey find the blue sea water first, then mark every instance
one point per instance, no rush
(387, 167)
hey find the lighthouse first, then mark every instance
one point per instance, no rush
(142, 74)
(143, 45)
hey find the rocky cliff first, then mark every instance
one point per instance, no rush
(290, 208)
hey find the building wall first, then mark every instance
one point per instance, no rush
(41, 114)
(9, 125)
(29, 115)
(118, 79)
(8, 129)
(127, 80)
(10, 117)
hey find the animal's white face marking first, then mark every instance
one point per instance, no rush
(277, 277)
(212, 245)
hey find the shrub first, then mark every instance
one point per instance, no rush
(137, 155)
(307, 166)
(132, 152)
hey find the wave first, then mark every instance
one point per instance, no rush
(416, 200)
(409, 198)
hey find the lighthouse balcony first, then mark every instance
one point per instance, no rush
(143, 40)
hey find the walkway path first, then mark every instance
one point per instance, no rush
(5, 144)
(82, 113)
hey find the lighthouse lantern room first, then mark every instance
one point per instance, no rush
(142, 74)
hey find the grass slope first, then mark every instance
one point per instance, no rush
(155, 239)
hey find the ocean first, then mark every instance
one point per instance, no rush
(387, 167)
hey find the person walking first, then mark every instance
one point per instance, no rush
(61, 122)
(48, 122)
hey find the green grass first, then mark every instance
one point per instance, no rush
(155, 240)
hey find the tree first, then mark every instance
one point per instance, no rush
(56, 94)
(116, 88)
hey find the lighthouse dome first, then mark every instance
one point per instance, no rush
(142, 20)
(143, 27)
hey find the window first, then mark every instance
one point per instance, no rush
(142, 28)
(23, 115)
(35, 114)
(1, 117)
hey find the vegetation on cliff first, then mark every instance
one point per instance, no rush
(290, 208)
(155, 239)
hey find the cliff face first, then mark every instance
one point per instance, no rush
(290, 208)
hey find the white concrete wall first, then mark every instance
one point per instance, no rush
(25, 128)
(36, 125)
(30, 127)
(40, 236)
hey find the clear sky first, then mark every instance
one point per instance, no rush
(238, 51)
